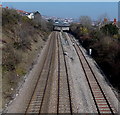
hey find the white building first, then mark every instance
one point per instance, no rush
(31, 16)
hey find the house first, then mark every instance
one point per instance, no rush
(23, 13)
(30, 15)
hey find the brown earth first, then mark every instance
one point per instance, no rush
(12, 80)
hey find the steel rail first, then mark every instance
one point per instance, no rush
(39, 76)
(69, 91)
(99, 112)
(47, 75)
(58, 75)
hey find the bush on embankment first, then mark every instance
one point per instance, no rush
(22, 40)
(105, 44)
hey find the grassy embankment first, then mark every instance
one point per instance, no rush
(22, 40)
(105, 44)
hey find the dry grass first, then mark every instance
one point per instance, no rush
(22, 43)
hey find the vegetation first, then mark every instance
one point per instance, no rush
(10, 17)
(105, 44)
(86, 21)
(20, 28)
(110, 29)
(22, 40)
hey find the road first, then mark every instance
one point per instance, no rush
(64, 80)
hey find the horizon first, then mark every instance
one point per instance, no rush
(69, 9)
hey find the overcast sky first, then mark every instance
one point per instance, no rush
(69, 9)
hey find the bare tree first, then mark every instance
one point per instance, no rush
(44, 24)
(86, 21)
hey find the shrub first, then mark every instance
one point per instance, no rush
(110, 29)
(10, 16)
(10, 57)
(105, 44)
(20, 71)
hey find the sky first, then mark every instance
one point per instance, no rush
(69, 9)
(119, 12)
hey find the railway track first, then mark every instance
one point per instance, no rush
(53, 92)
(41, 96)
(64, 104)
(38, 98)
(101, 101)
